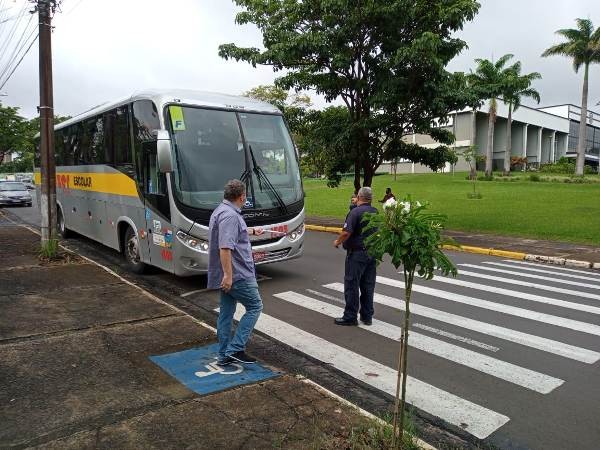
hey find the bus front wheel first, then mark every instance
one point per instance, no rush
(131, 251)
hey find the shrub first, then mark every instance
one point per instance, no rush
(535, 177)
(485, 178)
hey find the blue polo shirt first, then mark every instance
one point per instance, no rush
(353, 225)
(227, 229)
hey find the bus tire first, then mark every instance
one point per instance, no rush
(64, 232)
(131, 252)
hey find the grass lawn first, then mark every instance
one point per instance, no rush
(543, 210)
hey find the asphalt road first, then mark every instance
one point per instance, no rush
(508, 352)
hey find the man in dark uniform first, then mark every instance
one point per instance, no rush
(360, 271)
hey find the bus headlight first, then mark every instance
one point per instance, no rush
(194, 243)
(297, 233)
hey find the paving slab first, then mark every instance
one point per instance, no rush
(89, 379)
(74, 307)
(51, 278)
(281, 413)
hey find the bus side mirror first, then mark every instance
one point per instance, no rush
(163, 151)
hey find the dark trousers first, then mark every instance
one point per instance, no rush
(359, 284)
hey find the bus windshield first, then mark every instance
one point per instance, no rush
(210, 151)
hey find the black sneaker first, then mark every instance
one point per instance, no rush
(243, 358)
(367, 321)
(224, 362)
(346, 322)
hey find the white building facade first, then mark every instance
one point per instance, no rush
(541, 136)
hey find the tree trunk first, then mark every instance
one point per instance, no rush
(356, 176)
(397, 398)
(369, 172)
(508, 151)
(582, 125)
(408, 280)
(489, 152)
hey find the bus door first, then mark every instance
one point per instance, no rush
(157, 212)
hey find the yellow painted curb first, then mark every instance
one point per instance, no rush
(487, 251)
(462, 248)
(323, 228)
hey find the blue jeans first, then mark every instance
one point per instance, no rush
(359, 284)
(246, 293)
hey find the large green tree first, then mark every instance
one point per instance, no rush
(384, 59)
(490, 80)
(582, 45)
(517, 87)
(14, 132)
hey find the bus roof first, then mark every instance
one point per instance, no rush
(162, 97)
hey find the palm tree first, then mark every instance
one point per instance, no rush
(582, 45)
(517, 87)
(491, 79)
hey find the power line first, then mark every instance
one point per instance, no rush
(6, 43)
(20, 60)
(21, 43)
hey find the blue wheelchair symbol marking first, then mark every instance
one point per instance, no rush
(197, 369)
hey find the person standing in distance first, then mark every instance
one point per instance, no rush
(360, 270)
(231, 269)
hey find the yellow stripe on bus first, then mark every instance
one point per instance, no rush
(106, 183)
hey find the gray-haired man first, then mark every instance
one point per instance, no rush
(360, 270)
(231, 268)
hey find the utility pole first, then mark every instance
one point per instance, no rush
(45, 9)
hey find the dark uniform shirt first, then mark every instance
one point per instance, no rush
(354, 226)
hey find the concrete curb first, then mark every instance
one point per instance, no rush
(554, 260)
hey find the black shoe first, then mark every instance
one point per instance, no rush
(346, 322)
(242, 358)
(367, 321)
(224, 362)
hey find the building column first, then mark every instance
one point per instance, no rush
(566, 145)
(553, 147)
(525, 127)
(539, 146)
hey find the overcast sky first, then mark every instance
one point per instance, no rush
(106, 49)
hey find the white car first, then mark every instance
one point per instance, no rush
(13, 193)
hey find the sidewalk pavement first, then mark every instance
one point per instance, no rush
(557, 249)
(75, 343)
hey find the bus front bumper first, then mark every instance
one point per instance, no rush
(190, 262)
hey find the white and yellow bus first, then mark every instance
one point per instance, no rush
(144, 174)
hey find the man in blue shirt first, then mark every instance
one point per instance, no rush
(360, 270)
(231, 269)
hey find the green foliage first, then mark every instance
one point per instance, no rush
(535, 178)
(411, 236)
(15, 132)
(293, 106)
(49, 249)
(375, 435)
(474, 195)
(565, 166)
(582, 44)
(385, 59)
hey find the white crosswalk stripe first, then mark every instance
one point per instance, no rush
(476, 419)
(537, 270)
(542, 287)
(571, 324)
(519, 294)
(530, 275)
(557, 269)
(506, 371)
(529, 340)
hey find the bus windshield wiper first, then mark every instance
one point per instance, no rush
(262, 178)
